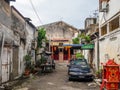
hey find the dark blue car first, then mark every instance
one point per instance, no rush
(79, 69)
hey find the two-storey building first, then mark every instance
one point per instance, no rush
(59, 33)
(109, 28)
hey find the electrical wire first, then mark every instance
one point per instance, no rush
(35, 12)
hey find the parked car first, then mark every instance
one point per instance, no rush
(79, 69)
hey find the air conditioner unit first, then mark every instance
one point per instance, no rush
(104, 6)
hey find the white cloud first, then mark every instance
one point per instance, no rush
(71, 11)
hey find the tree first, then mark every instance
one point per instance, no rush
(76, 40)
(79, 56)
(41, 36)
(84, 38)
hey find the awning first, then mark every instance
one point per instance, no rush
(80, 46)
(74, 46)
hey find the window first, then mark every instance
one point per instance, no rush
(114, 24)
(104, 30)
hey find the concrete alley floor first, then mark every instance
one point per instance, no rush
(58, 80)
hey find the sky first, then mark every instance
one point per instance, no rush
(72, 12)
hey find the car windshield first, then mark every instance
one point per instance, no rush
(81, 63)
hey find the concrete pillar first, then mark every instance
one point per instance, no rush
(52, 53)
(69, 54)
(1, 51)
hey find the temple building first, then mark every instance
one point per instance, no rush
(58, 34)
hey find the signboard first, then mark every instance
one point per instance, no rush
(87, 46)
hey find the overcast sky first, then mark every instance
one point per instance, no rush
(72, 12)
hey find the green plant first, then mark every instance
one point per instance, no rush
(99, 73)
(79, 55)
(82, 35)
(85, 37)
(76, 40)
(27, 59)
(41, 36)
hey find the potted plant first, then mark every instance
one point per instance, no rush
(79, 56)
(28, 65)
(99, 73)
(84, 38)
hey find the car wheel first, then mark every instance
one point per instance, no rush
(91, 79)
(70, 79)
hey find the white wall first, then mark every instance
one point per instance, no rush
(30, 36)
(21, 55)
(95, 58)
(110, 49)
(6, 63)
(85, 53)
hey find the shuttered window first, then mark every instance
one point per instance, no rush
(114, 24)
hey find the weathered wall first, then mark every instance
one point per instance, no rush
(18, 23)
(29, 39)
(110, 42)
(5, 14)
(110, 48)
(21, 60)
(96, 55)
(59, 30)
(30, 36)
(5, 28)
(18, 27)
(6, 63)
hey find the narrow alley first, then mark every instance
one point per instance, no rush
(40, 36)
(58, 80)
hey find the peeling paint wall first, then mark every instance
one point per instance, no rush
(5, 28)
(59, 30)
(29, 39)
(19, 29)
(6, 63)
(5, 13)
(95, 58)
(110, 41)
(21, 60)
(109, 48)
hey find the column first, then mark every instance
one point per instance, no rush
(52, 52)
(69, 54)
